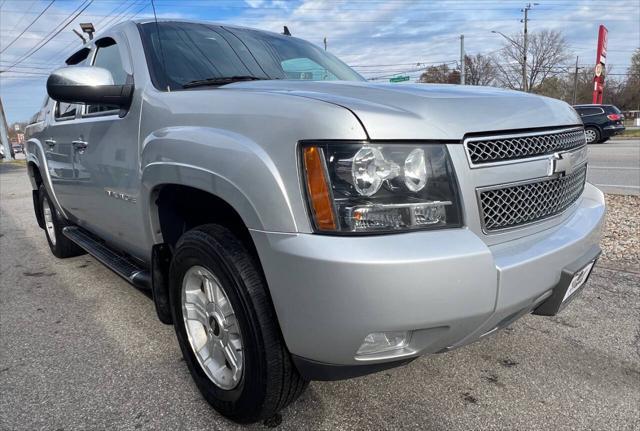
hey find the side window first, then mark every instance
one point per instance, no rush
(589, 111)
(65, 111)
(108, 57)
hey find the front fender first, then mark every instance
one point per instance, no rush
(225, 164)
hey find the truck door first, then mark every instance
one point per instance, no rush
(105, 160)
(57, 139)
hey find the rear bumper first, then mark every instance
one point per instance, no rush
(613, 130)
(448, 287)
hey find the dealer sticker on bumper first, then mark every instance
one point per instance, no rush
(578, 280)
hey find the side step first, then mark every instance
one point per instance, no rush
(118, 263)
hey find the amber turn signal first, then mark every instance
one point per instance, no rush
(318, 189)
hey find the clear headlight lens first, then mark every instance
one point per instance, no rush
(360, 188)
(415, 170)
(364, 170)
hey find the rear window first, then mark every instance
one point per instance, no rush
(612, 110)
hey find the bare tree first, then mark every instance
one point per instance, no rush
(440, 74)
(547, 55)
(479, 70)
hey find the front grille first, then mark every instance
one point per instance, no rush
(490, 150)
(520, 204)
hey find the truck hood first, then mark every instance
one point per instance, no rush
(428, 111)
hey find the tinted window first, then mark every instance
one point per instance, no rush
(306, 69)
(108, 57)
(588, 111)
(612, 110)
(65, 110)
(179, 53)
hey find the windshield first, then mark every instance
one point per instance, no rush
(179, 53)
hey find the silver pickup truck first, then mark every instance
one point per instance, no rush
(295, 222)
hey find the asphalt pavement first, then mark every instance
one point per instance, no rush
(82, 349)
(614, 166)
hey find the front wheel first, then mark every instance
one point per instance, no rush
(60, 245)
(227, 328)
(592, 134)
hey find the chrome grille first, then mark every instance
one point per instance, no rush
(515, 205)
(497, 149)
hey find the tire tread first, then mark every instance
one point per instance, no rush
(283, 382)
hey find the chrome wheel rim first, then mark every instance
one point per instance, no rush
(590, 135)
(212, 327)
(48, 221)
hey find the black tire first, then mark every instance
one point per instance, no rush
(269, 381)
(593, 131)
(61, 246)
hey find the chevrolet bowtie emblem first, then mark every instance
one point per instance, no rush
(560, 163)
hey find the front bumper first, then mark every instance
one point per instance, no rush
(448, 286)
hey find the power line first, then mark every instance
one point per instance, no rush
(79, 10)
(28, 27)
(98, 28)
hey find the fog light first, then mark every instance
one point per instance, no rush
(378, 342)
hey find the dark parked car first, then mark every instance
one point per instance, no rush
(601, 122)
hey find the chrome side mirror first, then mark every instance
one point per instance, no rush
(89, 85)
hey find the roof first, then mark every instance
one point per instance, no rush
(591, 105)
(196, 21)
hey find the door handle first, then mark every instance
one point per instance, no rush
(50, 142)
(80, 146)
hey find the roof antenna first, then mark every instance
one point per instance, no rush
(286, 31)
(164, 66)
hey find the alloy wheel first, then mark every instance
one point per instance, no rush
(212, 327)
(48, 221)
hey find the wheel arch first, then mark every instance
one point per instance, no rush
(183, 201)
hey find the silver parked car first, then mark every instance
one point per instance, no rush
(295, 222)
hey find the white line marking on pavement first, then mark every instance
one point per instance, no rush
(618, 185)
(615, 168)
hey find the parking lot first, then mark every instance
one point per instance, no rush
(82, 349)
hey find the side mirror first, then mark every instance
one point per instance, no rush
(89, 85)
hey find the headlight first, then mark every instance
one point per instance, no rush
(370, 187)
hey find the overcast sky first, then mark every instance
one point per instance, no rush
(377, 37)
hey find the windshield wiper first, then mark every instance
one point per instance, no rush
(220, 80)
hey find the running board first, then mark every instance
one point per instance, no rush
(118, 263)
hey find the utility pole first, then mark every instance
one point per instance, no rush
(462, 59)
(575, 82)
(524, 49)
(4, 135)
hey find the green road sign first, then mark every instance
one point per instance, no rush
(399, 79)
